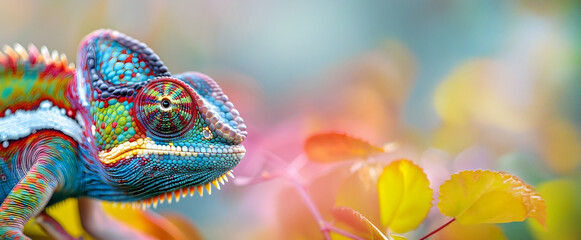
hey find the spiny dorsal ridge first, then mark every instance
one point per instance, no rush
(18, 55)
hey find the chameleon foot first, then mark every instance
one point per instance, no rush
(53, 228)
(12, 233)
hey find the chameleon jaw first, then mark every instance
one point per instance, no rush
(177, 194)
(147, 146)
(128, 150)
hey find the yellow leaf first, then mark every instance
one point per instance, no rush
(404, 196)
(474, 197)
(453, 138)
(468, 97)
(332, 147)
(358, 222)
(454, 97)
(457, 231)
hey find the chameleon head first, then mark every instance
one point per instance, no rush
(156, 133)
(181, 140)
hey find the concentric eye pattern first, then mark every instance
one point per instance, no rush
(166, 108)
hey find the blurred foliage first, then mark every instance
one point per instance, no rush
(563, 210)
(165, 226)
(357, 221)
(336, 147)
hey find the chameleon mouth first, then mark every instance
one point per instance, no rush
(177, 194)
(146, 146)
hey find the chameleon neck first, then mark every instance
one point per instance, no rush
(95, 181)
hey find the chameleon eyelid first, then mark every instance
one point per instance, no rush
(166, 107)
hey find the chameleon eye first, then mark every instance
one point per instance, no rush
(165, 108)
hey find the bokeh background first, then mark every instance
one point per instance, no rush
(449, 84)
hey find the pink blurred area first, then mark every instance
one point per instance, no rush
(450, 85)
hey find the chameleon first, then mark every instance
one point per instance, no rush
(118, 127)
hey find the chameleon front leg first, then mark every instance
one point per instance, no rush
(52, 156)
(28, 198)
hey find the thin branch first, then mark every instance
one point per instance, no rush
(312, 208)
(437, 230)
(277, 160)
(264, 177)
(290, 172)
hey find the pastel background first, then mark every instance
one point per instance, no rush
(449, 84)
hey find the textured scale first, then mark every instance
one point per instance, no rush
(119, 128)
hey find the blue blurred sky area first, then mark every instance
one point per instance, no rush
(283, 44)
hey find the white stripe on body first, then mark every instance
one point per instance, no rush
(22, 123)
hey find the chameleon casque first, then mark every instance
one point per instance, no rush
(118, 128)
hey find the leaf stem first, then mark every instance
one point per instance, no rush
(312, 208)
(437, 230)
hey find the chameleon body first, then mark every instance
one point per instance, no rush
(118, 127)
